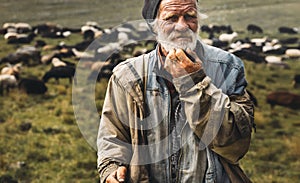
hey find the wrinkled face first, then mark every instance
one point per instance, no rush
(177, 24)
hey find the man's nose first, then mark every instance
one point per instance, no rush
(181, 24)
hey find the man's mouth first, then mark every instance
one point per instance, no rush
(183, 38)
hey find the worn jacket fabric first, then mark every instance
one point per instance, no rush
(134, 128)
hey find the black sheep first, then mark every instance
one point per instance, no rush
(296, 81)
(32, 86)
(292, 40)
(21, 39)
(254, 29)
(249, 55)
(60, 72)
(288, 30)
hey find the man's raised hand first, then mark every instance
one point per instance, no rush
(179, 63)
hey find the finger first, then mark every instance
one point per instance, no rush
(112, 178)
(170, 60)
(121, 173)
(171, 55)
(182, 56)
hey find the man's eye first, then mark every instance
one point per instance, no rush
(189, 17)
(173, 18)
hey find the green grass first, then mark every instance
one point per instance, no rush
(54, 149)
(275, 145)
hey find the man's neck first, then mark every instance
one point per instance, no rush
(162, 53)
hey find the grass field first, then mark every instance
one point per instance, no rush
(54, 150)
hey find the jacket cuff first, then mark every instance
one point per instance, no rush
(107, 171)
(184, 83)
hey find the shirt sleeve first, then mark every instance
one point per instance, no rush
(222, 122)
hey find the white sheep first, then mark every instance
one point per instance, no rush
(90, 26)
(273, 59)
(228, 37)
(239, 45)
(8, 25)
(10, 35)
(292, 53)
(23, 27)
(259, 41)
(7, 82)
(276, 61)
(56, 62)
(269, 47)
(98, 65)
(11, 69)
(87, 27)
(82, 54)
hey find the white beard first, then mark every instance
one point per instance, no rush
(168, 43)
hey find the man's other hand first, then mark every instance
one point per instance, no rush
(117, 176)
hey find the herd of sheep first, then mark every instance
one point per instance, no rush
(102, 49)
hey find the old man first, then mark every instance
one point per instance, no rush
(179, 113)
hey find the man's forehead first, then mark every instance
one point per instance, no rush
(175, 5)
(178, 3)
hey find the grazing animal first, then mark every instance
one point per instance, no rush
(273, 59)
(249, 55)
(45, 29)
(296, 81)
(101, 70)
(206, 28)
(91, 31)
(228, 37)
(56, 62)
(60, 72)
(259, 41)
(288, 30)
(28, 55)
(12, 69)
(47, 58)
(21, 38)
(292, 53)
(82, 54)
(7, 82)
(22, 27)
(32, 86)
(291, 40)
(276, 61)
(283, 98)
(8, 25)
(221, 28)
(40, 43)
(104, 52)
(276, 49)
(88, 35)
(254, 29)
(10, 35)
